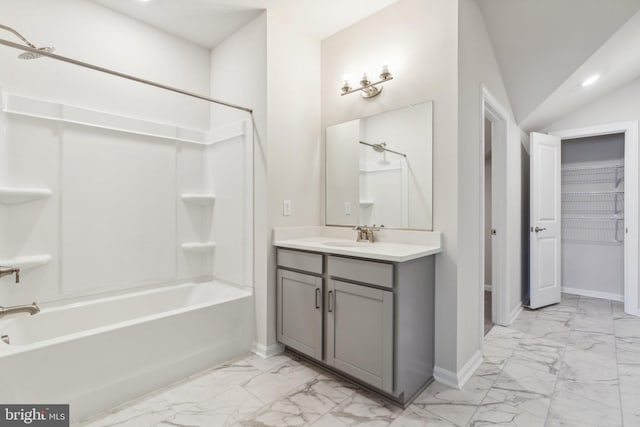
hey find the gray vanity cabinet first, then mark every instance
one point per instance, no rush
(300, 304)
(360, 332)
(368, 319)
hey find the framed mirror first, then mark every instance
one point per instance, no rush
(379, 170)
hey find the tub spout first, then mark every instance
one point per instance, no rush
(31, 309)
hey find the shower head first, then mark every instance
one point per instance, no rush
(34, 55)
(28, 55)
(380, 148)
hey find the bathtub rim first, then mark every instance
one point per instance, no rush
(9, 349)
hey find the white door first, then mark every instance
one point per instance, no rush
(545, 231)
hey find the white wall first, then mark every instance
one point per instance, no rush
(89, 32)
(239, 75)
(478, 67)
(620, 105)
(418, 40)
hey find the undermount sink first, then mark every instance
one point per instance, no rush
(346, 244)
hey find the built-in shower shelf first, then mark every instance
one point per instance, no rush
(199, 246)
(26, 262)
(198, 199)
(15, 195)
(366, 203)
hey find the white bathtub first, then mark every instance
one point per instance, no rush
(97, 354)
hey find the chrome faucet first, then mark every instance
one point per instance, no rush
(7, 271)
(365, 233)
(30, 308)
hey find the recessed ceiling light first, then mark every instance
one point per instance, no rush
(591, 80)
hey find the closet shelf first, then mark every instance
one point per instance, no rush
(202, 199)
(613, 173)
(595, 202)
(15, 195)
(594, 230)
(199, 246)
(26, 262)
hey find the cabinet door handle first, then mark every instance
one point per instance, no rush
(317, 295)
(330, 309)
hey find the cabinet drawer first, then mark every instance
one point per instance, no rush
(303, 261)
(375, 273)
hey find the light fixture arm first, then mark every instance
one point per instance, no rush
(368, 86)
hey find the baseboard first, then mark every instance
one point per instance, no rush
(593, 294)
(515, 313)
(266, 351)
(487, 288)
(459, 379)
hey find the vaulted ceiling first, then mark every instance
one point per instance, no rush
(541, 44)
(208, 22)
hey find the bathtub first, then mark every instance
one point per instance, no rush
(97, 354)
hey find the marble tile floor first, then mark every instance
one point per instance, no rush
(572, 364)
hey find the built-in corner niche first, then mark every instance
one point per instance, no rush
(26, 262)
(199, 246)
(200, 199)
(15, 195)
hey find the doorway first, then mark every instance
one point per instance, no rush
(492, 157)
(599, 193)
(488, 243)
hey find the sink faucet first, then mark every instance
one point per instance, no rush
(365, 233)
(7, 271)
(31, 309)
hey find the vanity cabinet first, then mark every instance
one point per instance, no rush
(360, 332)
(300, 313)
(370, 320)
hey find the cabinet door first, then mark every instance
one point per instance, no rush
(300, 312)
(360, 332)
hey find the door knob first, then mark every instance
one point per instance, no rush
(538, 229)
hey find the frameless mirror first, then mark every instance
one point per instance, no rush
(379, 170)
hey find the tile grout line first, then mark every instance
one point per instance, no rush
(564, 352)
(615, 346)
(493, 383)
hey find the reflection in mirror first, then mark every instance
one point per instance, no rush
(379, 170)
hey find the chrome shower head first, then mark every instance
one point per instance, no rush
(34, 55)
(380, 148)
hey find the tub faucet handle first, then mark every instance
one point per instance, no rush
(7, 271)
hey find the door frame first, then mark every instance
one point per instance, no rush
(500, 118)
(631, 196)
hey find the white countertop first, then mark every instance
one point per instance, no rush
(385, 251)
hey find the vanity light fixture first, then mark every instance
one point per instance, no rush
(367, 88)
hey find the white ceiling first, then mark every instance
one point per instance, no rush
(539, 44)
(208, 22)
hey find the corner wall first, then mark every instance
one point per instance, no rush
(477, 67)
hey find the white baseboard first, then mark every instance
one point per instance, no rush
(459, 379)
(266, 351)
(488, 288)
(593, 294)
(515, 313)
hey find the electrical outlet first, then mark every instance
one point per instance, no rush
(347, 208)
(286, 207)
